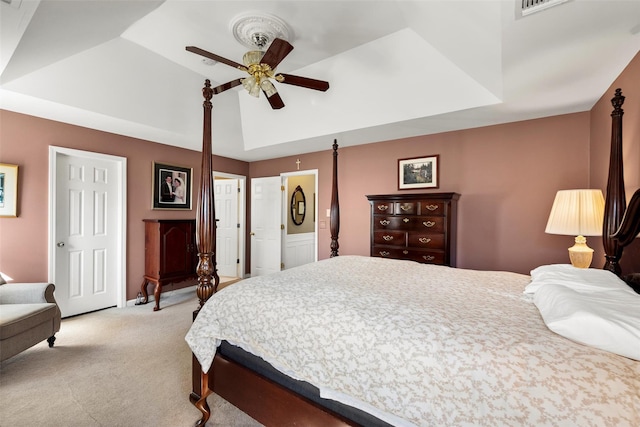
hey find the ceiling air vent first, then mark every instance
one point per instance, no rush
(533, 6)
(13, 3)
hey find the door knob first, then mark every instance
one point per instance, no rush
(60, 244)
(252, 234)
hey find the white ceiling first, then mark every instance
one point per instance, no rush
(396, 68)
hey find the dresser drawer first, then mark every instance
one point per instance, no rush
(382, 207)
(431, 207)
(430, 224)
(425, 240)
(405, 208)
(425, 224)
(431, 257)
(389, 237)
(390, 222)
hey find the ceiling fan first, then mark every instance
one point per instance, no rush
(261, 68)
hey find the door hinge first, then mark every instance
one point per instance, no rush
(238, 261)
(282, 266)
(238, 225)
(282, 188)
(281, 226)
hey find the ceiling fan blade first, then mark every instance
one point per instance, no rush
(215, 57)
(275, 100)
(303, 82)
(278, 50)
(226, 86)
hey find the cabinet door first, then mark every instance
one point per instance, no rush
(176, 256)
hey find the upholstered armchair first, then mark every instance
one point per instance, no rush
(28, 315)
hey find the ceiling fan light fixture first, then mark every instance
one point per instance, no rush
(252, 86)
(252, 57)
(268, 88)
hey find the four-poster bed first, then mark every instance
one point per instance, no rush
(528, 361)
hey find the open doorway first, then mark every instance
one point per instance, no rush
(299, 241)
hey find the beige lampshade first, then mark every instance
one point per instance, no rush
(577, 213)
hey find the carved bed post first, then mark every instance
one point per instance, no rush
(615, 203)
(335, 205)
(208, 279)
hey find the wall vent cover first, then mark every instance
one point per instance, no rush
(533, 6)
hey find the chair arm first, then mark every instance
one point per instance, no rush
(26, 293)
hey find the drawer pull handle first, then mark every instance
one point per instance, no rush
(383, 207)
(428, 257)
(432, 207)
(424, 240)
(406, 207)
(405, 252)
(428, 224)
(385, 222)
(405, 220)
(387, 238)
(384, 253)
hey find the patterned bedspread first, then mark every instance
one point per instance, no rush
(420, 345)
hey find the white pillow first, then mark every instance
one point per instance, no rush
(606, 320)
(582, 279)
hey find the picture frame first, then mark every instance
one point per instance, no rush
(418, 172)
(171, 187)
(8, 190)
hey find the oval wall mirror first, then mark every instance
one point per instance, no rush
(298, 206)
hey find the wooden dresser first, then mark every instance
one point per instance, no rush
(418, 227)
(170, 254)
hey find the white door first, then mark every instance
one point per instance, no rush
(266, 225)
(226, 201)
(87, 208)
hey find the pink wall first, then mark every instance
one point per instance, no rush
(25, 141)
(507, 176)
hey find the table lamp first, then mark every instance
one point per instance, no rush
(577, 213)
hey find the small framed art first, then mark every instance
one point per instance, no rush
(420, 172)
(171, 187)
(8, 190)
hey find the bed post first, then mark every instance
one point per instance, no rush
(208, 279)
(615, 202)
(335, 204)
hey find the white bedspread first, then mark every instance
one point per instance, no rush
(421, 345)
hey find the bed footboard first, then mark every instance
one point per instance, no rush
(261, 398)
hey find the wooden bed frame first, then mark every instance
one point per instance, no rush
(274, 405)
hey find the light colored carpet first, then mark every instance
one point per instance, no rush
(116, 367)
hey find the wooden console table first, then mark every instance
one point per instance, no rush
(170, 254)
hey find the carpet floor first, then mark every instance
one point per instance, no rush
(115, 367)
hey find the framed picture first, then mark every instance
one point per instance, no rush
(171, 187)
(8, 190)
(420, 172)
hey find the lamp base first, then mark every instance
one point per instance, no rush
(580, 254)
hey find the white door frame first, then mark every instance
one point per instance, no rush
(242, 219)
(121, 206)
(285, 210)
